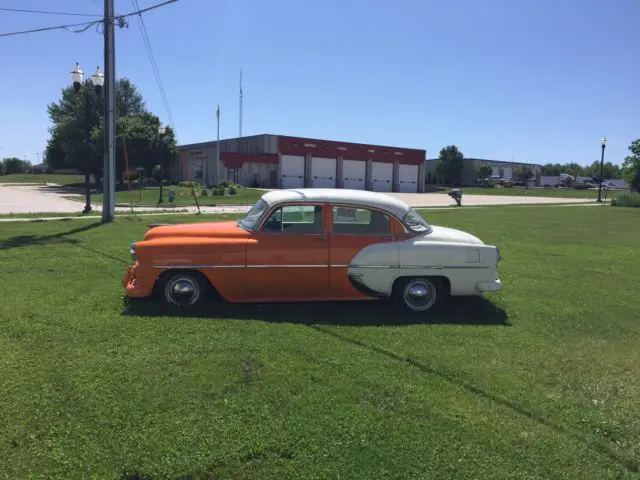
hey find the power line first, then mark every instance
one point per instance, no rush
(154, 66)
(68, 26)
(49, 12)
(86, 25)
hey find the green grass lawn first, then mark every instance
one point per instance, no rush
(148, 197)
(539, 381)
(40, 178)
(539, 192)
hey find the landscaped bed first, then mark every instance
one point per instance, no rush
(539, 381)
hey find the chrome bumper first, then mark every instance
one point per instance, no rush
(490, 286)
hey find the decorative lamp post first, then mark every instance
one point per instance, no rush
(97, 80)
(161, 131)
(603, 142)
(77, 77)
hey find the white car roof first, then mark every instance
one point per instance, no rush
(382, 201)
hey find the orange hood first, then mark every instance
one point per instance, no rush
(228, 229)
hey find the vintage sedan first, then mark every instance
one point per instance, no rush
(314, 245)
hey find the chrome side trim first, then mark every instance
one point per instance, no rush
(182, 267)
(424, 267)
(177, 267)
(373, 266)
(411, 267)
(289, 266)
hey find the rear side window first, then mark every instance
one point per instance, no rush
(295, 219)
(359, 221)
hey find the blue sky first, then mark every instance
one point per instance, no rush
(525, 80)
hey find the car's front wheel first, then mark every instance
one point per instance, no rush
(419, 294)
(184, 288)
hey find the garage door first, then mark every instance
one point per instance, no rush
(408, 178)
(354, 173)
(323, 172)
(382, 176)
(292, 172)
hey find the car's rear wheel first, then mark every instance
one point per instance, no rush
(184, 288)
(420, 294)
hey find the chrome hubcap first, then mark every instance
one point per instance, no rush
(419, 295)
(182, 291)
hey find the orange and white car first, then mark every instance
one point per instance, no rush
(314, 245)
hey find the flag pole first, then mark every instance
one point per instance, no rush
(240, 126)
(217, 142)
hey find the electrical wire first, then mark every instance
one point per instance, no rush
(86, 25)
(68, 26)
(154, 66)
(49, 12)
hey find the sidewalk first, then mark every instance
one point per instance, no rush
(187, 212)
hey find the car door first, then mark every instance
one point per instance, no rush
(351, 230)
(288, 255)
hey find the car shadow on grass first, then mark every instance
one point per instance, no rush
(474, 310)
(31, 240)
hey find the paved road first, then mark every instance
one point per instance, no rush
(443, 200)
(40, 199)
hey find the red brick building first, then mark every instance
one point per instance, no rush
(275, 161)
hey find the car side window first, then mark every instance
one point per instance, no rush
(300, 219)
(359, 221)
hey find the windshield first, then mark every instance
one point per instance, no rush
(415, 222)
(253, 216)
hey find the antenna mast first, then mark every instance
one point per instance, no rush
(240, 126)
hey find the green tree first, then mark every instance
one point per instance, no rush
(69, 116)
(552, 169)
(450, 165)
(555, 169)
(484, 171)
(13, 165)
(631, 166)
(574, 169)
(524, 174)
(609, 170)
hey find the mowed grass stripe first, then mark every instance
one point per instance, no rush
(548, 388)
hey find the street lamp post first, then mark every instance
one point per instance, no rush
(161, 131)
(603, 142)
(97, 80)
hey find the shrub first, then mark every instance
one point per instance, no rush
(215, 192)
(191, 184)
(204, 192)
(626, 200)
(224, 184)
(233, 190)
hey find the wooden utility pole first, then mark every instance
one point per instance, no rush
(109, 170)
